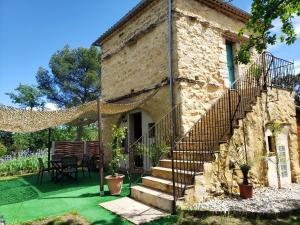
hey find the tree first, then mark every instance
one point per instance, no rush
(260, 24)
(6, 138)
(74, 78)
(27, 96)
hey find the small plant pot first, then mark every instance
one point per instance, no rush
(115, 184)
(246, 191)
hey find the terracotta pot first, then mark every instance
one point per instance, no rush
(246, 191)
(115, 184)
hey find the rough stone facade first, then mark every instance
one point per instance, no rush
(135, 57)
(200, 51)
(275, 105)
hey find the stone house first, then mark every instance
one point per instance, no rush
(196, 47)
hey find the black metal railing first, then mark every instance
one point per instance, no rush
(146, 152)
(202, 141)
(281, 73)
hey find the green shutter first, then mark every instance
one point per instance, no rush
(230, 64)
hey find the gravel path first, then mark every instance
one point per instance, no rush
(265, 200)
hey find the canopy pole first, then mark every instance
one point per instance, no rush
(101, 150)
(49, 145)
(172, 98)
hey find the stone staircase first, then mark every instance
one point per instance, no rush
(195, 148)
(202, 141)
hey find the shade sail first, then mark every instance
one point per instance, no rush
(20, 120)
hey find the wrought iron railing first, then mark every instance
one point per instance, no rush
(202, 141)
(146, 152)
(281, 73)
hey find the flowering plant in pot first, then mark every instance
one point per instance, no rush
(115, 180)
(246, 189)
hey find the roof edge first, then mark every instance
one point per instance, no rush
(140, 6)
(224, 7)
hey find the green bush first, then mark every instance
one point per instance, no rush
(116, 147)
(20, 165)
(3, 150)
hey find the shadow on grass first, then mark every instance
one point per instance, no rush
(15, 190)
(116, 221)
(164, 221)
(48, 187)
(25, 188)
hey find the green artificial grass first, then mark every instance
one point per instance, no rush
(23, 200)
(15, 191)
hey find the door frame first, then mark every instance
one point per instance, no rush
(145, 120)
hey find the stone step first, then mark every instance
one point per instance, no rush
(205, 156)
(152, 197)
(183, 176)
(187, 164)
(164, 185)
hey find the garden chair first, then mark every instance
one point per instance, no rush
(69, 167)
(94, 162)
(86, 163)
(57, 156)
(41, 171)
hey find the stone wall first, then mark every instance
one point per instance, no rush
(200, 51)
(156, 107)
(136, 56)
(275, 105)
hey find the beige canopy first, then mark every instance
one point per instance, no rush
(19, 120)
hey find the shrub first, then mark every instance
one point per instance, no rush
(116, 145)
(21, 163)
(3, 150)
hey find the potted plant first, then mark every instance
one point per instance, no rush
(157, 151)
(246, 189)
(115, 180)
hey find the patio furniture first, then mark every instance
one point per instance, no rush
(57, 156)
(41, 171)
(69, 167)
(86, 163)
(95, 161)
(56, 165)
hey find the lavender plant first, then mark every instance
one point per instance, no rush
(22, 162)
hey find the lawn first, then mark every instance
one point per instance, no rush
(292, 218)
(23, 200)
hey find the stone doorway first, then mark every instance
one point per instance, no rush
(282, 147)
(137, 123)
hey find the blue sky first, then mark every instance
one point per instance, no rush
(32, 30)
